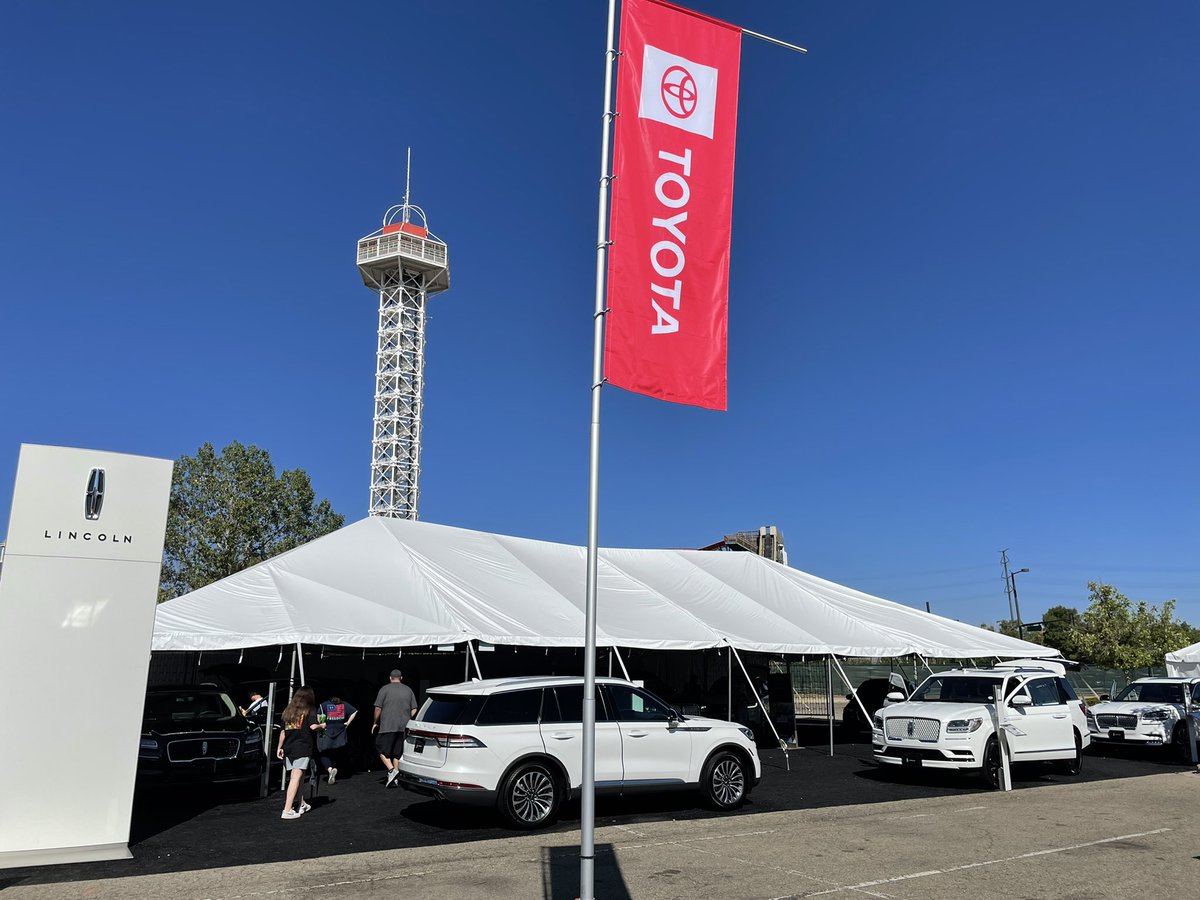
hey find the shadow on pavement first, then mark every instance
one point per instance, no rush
(560, 874)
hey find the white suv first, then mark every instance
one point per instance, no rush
(1149, 711)
(517, 744)
(949, 721)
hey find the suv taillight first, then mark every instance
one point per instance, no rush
(461, 740)
(446, 740)
(1087, 713)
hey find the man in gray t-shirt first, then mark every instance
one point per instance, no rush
(395, 704)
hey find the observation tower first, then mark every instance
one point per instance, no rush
(406, 264)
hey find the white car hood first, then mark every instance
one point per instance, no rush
(1132, 708)
(943, 712)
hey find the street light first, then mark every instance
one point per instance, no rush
(1012, 577)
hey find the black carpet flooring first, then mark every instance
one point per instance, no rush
(179, 831)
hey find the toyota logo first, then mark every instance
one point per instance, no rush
(678, 89)
(93, 500)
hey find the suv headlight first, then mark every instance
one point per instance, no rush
(1155, 715)
(963, 726)
(747, 732)
(253, 736)
(877, 722)
(148, 747)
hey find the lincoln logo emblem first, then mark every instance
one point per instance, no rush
(93, 502)
(204, 748)
(910, 729)
(678, 89)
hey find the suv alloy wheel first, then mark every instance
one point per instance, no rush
(991, 763)
(530, 796)
(1075, 765)
(724, 781)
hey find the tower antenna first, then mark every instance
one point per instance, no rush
(407, 183)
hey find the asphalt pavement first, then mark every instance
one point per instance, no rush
(184, 831)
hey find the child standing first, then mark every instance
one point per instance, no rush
(298, 746)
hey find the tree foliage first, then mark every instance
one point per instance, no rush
(1117, 634)
(230, 510)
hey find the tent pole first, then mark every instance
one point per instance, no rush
(610, 656)
(467, 663)
(300, 660)
(829, 698)
(782, 743)
(853, 692)
(292, 676)
(620, 662)
(729, 680)
(925, 664)
(475, 659)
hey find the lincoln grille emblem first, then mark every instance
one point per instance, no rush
(204, 748)
(94, 500)
(910, 728)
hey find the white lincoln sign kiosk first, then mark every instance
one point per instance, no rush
(77, 597)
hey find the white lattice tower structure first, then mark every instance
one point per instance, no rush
(406, 265)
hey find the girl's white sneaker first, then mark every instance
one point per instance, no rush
(290, 814)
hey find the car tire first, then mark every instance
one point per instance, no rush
(1074, 765)
(991, 764)
(1179, 743)
(723, 781)
(530, 796)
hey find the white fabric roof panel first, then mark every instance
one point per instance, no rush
(396, 583)
(1184, 663)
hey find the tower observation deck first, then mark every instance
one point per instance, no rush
(406, 264)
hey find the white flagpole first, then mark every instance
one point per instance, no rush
(587, 817)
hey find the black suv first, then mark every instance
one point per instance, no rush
(195, 735)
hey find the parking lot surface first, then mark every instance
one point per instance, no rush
(182, 832)
(1102, 840)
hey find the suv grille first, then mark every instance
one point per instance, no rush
(213, 748)
(1111, 721)
(902, 727)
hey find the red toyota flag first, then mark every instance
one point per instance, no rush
(668, 266)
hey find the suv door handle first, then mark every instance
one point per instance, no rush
(637, 733)
(561, 735)
(1060, 715)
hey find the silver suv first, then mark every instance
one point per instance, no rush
(949, 722)
(517, 744)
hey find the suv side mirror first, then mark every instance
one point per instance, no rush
(894, 697)
(1020, 700)
(1104, 697)
(672, 720)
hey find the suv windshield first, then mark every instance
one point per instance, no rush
(174, 707)
(956, 689)
(1150, 692)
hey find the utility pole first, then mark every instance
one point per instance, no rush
(1007, 582)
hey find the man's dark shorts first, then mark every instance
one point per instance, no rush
(390, 744)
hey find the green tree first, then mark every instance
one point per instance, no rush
(1059, 630)
(1116, 634)
(230, 510)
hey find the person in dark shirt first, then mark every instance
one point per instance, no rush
(394, 706)
(331, 743)
(298, 746)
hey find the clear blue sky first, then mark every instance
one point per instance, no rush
(963, 294)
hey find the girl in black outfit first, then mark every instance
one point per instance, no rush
(298, 746)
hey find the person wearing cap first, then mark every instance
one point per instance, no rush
(395, 704)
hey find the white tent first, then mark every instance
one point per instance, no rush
(396, 583)
(1184, 663)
